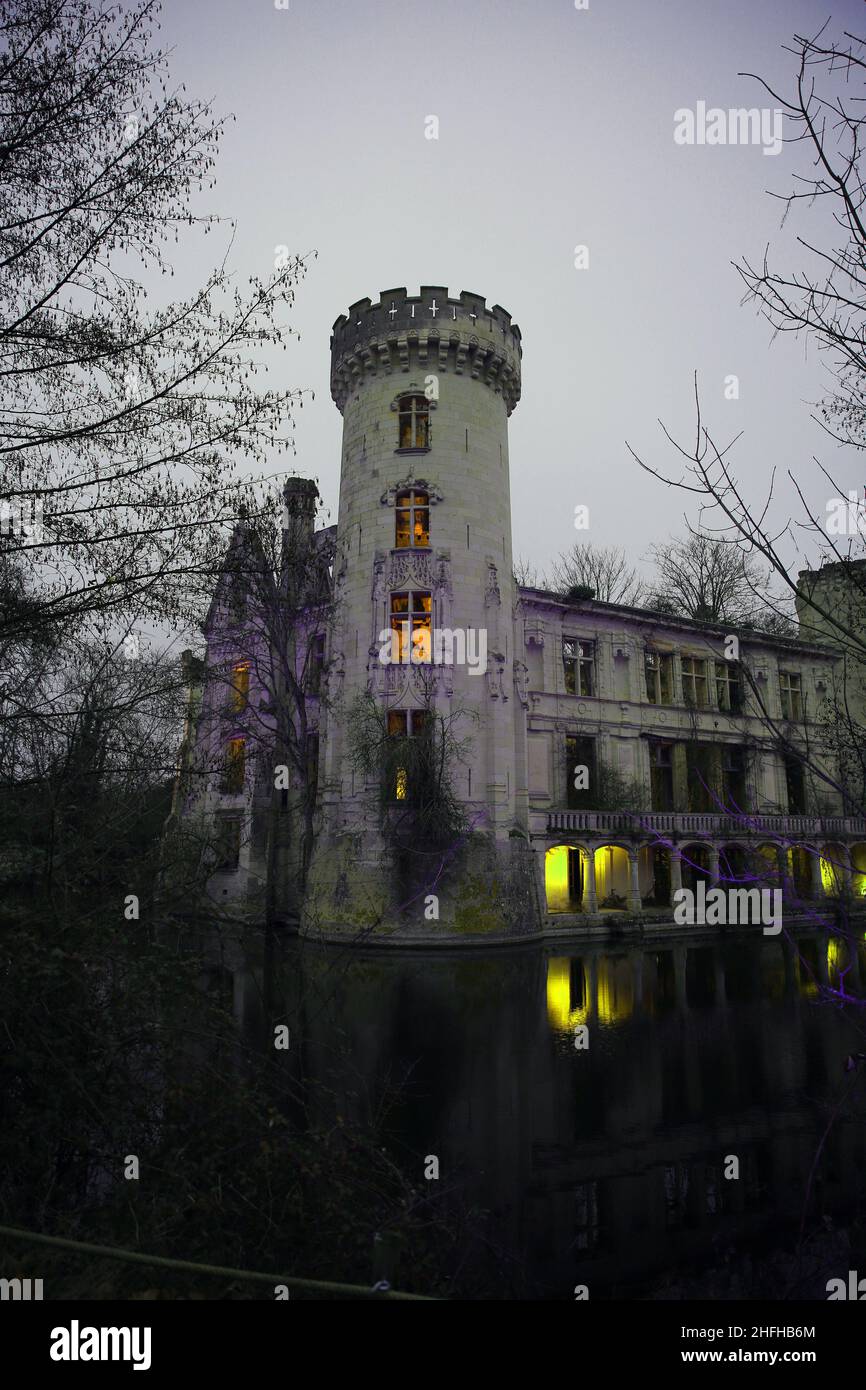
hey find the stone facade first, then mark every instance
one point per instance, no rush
(608, 754)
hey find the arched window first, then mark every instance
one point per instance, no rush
(414, 426)
(412, 525)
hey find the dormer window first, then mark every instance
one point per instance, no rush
(412, 526)
(414, 423)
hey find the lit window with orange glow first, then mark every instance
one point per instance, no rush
(240, 686)
(410, 623)
(412, 527)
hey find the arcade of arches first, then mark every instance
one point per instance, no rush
(580, 878)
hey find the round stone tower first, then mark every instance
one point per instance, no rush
(424, 597)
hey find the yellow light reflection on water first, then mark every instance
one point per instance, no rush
(615, 990)
(558, 992)
(560, 1015)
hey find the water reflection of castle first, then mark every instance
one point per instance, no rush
(602, 1166)
(612, 987)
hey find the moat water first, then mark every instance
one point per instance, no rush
(602, 1164)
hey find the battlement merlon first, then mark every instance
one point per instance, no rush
(430, 331)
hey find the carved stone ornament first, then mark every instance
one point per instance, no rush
(412, 568)
(521, 683)
(389, 496)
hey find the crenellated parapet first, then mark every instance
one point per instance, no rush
(430, 332)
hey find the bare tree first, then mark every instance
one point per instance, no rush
(700, 576)
(527, 575)
(827, 302)
(603, 568)
(120, 421)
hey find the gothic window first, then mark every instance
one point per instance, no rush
(791, 690)
(240, 686)
(228, 845)
(405, 723)
(412, 526)
(233, 770)
(659, 681)
(694, 680)
(414, 423)
(316, 662)
(410, 627)
(578, 660)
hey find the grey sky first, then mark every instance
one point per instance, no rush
(556, 129)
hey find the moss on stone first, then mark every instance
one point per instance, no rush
(477, 910)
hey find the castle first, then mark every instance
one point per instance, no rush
(593, 757)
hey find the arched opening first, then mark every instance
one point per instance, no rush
(833, 860)
(762, 864)
(654, 869)
(611, 876)
(734, 867)
(800, 870)
(695, 866)
(839, 958)
(563, 879)
(858, 870)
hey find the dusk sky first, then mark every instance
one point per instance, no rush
(556, 129)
